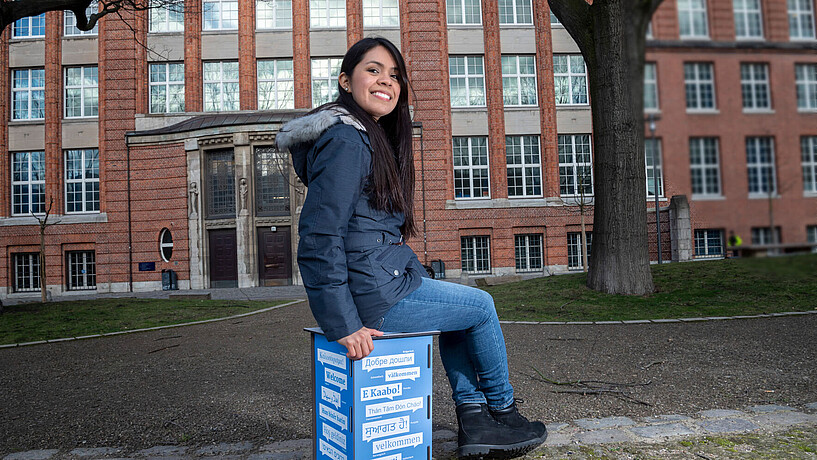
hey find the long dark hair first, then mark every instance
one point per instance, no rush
(391, 183)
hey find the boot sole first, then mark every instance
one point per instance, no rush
(494, 451)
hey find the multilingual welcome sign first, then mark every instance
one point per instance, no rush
(376, 408)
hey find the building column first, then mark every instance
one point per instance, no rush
(195, 213)
(244, 228)
(547, 102)
(53, 111)
(5, 116)
(193, 85)
(494, 101)
(354, 22)
(140, 24)
(301, 59)
(247, 82)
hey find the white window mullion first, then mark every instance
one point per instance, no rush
(808, 152)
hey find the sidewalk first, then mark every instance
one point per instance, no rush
(239, 388)
(756, 432)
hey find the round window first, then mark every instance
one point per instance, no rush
(166, 244)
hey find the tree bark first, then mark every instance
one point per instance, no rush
(611, 34)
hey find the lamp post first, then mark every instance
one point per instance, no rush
(652, 118)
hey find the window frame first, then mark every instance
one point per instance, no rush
(811, 236)
(762, 236)
(747, 17)
(468, 60)
(469, 243)
(29, 91)
(760, 167)
(522, 253)
(519, 77)
(88, 185)
(82, 87)
(574, 253)
(86, 279)
(570, 75)
(30, 274)
(220, 105)
(271, 15)
(796, 16)
(526, 145)
(333, 67)
(380, 8)
(327, 20)
(29, 27)
(227, 19)
(698, 84)
(689, 15)
(166, 85)
(805, 81)
(515, 13)
(808, 161)
(165, 244)
(30, 184)
(463, 12)
(71, 30)
(659, 168)
(704, 239)
(471, 168)
(571, 178)
(212, 179)
(279, 178)
(702, 169)
(651, 87)
(169, 21)
(756, 85)
(274, 85)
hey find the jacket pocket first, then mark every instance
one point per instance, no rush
(390, 263)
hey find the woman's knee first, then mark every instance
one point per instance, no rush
(484, 304)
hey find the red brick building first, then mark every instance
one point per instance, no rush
(150, 139)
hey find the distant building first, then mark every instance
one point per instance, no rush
(154, 136)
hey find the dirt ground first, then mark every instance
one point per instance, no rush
(249, 379)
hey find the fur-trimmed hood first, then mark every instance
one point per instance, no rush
(300, 134)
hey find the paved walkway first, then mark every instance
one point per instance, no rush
(758, 420)
(232, 389)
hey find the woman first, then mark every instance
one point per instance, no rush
(355, 155)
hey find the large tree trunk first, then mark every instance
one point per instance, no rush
(610, 34)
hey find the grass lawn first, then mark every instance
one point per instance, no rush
(43, 321)
(682, 290)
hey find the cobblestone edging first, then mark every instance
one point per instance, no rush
(131, 331)
(661, 321)
(590, 431)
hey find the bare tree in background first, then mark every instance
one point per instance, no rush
(611, 37)
(43, 224)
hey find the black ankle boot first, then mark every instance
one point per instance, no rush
(480, 436)
(510, 416)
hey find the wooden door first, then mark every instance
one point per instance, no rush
(223, 258)
(274, 256)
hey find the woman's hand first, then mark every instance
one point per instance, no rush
(359, 343)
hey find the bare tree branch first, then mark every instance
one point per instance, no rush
(11, 11)
(575, 16)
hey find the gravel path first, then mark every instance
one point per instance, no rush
(247, 380)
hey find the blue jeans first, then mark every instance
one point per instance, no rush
(472, 347)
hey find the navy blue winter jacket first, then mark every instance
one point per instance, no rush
(352, 263)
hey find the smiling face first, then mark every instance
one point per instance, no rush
(374, 83)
